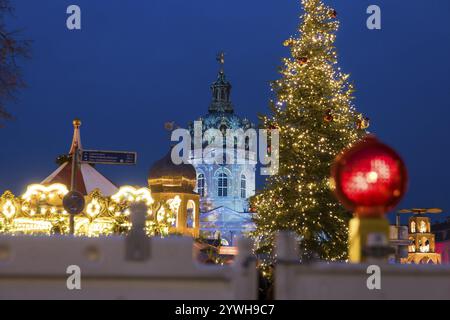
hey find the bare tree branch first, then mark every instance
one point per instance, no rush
(12, 49)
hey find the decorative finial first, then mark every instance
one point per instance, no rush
(169, 126)
(76, 141)
(76, 123)
(221, 59)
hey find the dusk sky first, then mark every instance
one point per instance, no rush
(137, 64)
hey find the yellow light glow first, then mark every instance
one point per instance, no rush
(42, 191)
(93, 209)
(174, 203)
(39, 211)
(131, 194)
(30, 226)
(8, 209)
(372, 177)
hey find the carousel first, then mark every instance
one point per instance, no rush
(39, 210)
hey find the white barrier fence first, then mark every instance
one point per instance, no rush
(36, 268)
(354, 281)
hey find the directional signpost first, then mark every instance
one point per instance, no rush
(108, 157)
(73, 203)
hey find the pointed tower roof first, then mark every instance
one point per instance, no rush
(221, 90)
(87, 178)
(221, 113)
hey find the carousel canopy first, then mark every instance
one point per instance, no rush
(87, 178)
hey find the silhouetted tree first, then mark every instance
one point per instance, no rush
(11, 49)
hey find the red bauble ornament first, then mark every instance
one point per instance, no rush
(288, 43)
(359, 124)
(328, 116)
(333, 14)
(370, 178)
(302, 60)
(363, 123)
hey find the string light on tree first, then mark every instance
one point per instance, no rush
(333, 14)
(314, 112)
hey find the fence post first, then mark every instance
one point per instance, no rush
(137, 242)
(245, 277)
(286, 251)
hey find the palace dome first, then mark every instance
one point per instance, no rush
(165, 176)
(221, 111)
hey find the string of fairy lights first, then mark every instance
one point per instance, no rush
(40, 211)
(316, 119)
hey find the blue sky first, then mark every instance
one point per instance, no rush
(137, 64)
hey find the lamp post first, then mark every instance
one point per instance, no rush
(369, 179)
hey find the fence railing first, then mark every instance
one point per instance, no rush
(294, 281)
(119, 267)
(36, 268)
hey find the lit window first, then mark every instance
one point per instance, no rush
(413, 227)
(222, 185)
(201, 184)
(243, 187)
(425, 246)
(190, 219)
(423, 227)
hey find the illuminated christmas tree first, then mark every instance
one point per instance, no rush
(314, 113)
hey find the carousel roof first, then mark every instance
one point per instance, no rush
(87, 177)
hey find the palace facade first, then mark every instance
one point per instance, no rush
(225, 187)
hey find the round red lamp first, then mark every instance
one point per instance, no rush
(370, 178)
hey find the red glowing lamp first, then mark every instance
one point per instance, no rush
(370, 178)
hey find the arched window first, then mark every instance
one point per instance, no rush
(222, 185)
(413, 227)
(243, 187)
(247, 143)
(423, 227)
(235, 149)
(412, 245)
(174, 205)
(190, 219)
(201, 184)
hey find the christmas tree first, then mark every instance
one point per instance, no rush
(314, 114)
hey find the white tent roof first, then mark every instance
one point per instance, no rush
(87, 178)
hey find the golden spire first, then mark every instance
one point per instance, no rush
(76, 141)
(221, 60)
